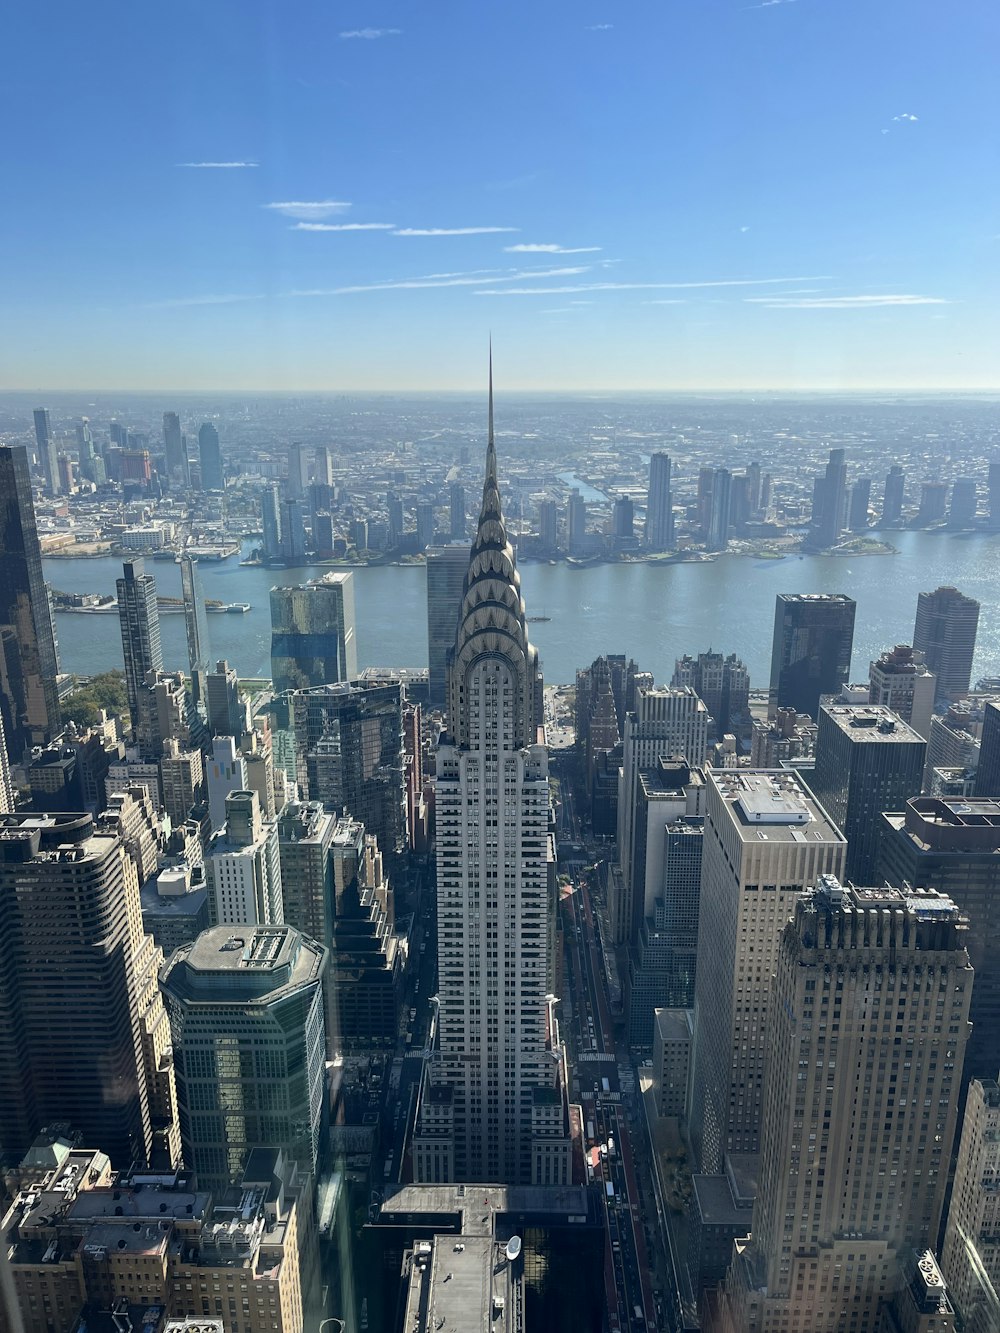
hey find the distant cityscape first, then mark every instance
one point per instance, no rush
(445, 998)
(375, 480)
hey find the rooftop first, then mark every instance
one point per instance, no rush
(773, 805)
(870, 723)
(244, 963)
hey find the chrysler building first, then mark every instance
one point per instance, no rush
(493, 1105)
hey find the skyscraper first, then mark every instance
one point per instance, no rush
(953, 846)
(6, 786)
(293, 530)
(964, 498)
(298, 470)
(349, 754)
(29, 699)
(446, 570)
(242, 866)
(246, 1015)
(723, 685)
(492, 1104)
(666, 872)
(867, 1035)
(971, 1255)
(576, 523)
(270, 508)
(312, 633)
(988, 772)
(46, 447)
(175, 449)
(901, 681)
(139, 617)
(993, 487)
(548, 525)
(892, 502)
(459, 518)
(717, 536)
(829, 498)
(868, 761)
(857, 519)
(766, 839)
(659, 505)
(195, 626)
(666, 721)
(83, 1036)
(426, 525)
(224, 705)
(210, 458)
(811, 649)
(945, 632)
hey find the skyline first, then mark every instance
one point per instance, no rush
(646, 201)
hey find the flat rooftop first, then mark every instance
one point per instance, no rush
(773, 805)
(478, 1204)
(871, 724)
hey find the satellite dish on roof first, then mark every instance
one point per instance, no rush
(513, 1248)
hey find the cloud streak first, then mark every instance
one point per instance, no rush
(343, 226)
(218, 166)
(647, 286)
(526, 249)
(779, 302)
(450, 231)
(369, 34)
(599, 27)
(309, 210)
(475, 278)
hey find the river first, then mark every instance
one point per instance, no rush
(653, 612)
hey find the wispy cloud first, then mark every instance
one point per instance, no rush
(229, 298)
(599, 27)
(769, 4)
(343, 226)
(475, 278)
(526, 249)
(450, 231)
(905, 116)
(646, 286)
(370, 34)
(744, 229)
(666, 300)
(218, 166)
(779, 302)
(309, 209)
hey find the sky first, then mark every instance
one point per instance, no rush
(680, 195)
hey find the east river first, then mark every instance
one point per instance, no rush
(653, 612)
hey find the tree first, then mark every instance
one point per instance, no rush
(106, 690)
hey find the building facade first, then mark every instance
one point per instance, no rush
(766, 839)
(246, 1014)
(666, 721)
(868, 761)
(945, 632)
(811, 649)
(869, 1025)
(29, 665)
(446, 570)
(312, 633)
(901, 681)
(139, 618)
(82, 1031)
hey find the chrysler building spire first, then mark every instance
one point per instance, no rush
(492, 620)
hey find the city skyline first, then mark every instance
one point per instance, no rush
(683, 201)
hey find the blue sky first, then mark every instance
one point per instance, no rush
(796, 194)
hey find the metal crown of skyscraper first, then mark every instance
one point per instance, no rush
(492, 619)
